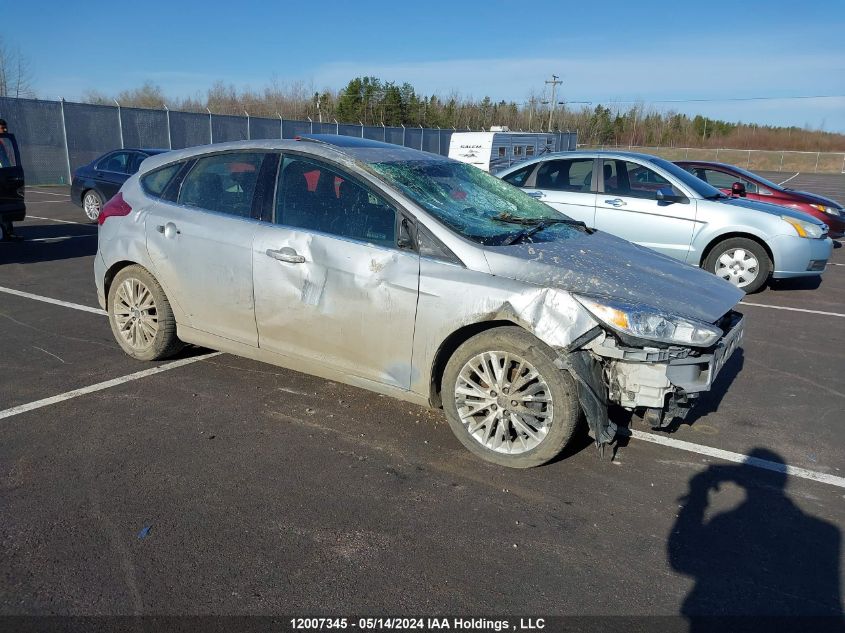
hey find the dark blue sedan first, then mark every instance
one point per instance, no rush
(95, 183)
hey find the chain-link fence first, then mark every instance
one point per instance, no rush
(57, 137)
(751, 159)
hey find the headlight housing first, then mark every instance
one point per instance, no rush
(649, 323)
(829, 210)
(810, 230)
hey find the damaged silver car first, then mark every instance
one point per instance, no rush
(412, 275)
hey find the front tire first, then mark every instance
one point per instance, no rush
(506, 401)
(742, 262)
(140, 315)
(92, 204)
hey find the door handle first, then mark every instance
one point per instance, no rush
(168, 230)
(286, 254)
(536, 194)
(616, 202)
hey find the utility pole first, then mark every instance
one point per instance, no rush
(555, 83)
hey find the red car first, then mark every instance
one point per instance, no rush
(754, 187)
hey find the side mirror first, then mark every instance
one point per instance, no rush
(405, 240)
(668, 195)
(738, 189)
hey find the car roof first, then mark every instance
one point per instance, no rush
(339, 147)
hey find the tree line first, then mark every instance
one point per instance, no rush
(372, 101)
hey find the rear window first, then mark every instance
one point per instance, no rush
(155, 182)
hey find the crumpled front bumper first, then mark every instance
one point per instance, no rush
(645, 383)
(664, 381)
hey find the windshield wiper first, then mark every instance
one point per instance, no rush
(539, 225)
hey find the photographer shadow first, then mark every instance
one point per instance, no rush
(764, 565)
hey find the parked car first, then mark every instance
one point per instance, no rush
(755, 187)
(12, 206)
(95, 183)
(655, 203)
(412, 275)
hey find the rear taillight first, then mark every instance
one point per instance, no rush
(115, 207)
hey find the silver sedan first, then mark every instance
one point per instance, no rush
(655, 203)
(412, 275)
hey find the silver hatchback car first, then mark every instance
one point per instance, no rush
(412, 275)
(655, 203)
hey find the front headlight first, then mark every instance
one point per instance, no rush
(649, 323)
(829, 210)
(803, 228)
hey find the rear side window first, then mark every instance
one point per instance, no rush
(575, 174)
(224, 183)
(117, 163)
(519, 177)
(155, 182)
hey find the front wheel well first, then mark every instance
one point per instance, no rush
(726, 236)
(448, 347)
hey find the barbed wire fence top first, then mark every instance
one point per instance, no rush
(58, 137)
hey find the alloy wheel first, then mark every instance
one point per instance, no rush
(503, 402)
(91, 206)
(135, 314)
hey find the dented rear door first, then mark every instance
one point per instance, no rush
(331, 285)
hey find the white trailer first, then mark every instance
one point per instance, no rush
(500, 148)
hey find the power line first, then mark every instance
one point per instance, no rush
(726, 99)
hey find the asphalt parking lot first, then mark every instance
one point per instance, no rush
(218, 485)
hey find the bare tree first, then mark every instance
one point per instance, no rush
(15, 73)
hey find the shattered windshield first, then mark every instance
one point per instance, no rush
(475, 204)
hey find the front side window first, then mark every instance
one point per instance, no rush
(719, 179)
(471, 202)
(224, 183)
(566, 175)
(117, 163)
(313, 196)
(625, 178)
(7, 153)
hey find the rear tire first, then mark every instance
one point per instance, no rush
(92, 204)
(140, 315)
(742, 262)
(506, 401)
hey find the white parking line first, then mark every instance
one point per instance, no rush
(38, 217)
(790, 178)
(58, 302)
(739, 458)
(28, 202)
(23, 408)
(822, 312)
(49, 193)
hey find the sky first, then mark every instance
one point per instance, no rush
(609, 52)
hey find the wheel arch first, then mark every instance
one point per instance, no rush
(726, 236)
(115, 268)
(448, 347)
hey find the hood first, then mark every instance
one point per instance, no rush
(814, 198)
(772, 209)
(602, 265)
